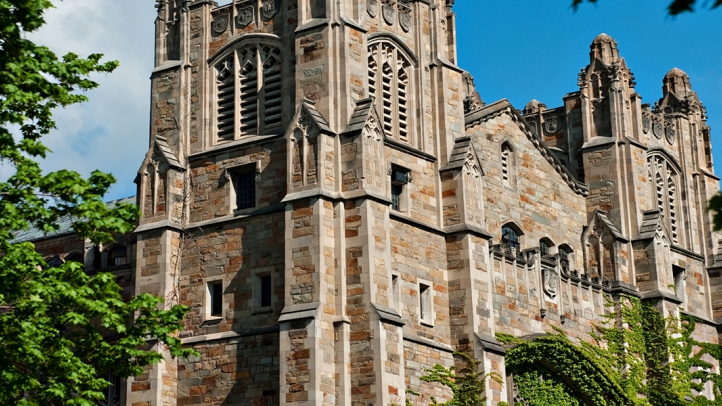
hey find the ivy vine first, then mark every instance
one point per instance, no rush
(467, 386)
(636, 357)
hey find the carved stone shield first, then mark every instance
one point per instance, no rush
(269, 9)
(245, 17)
(671, 134)
(658, 129)
(646, 124)
(552, 125)
(550, 281)
(372, 7)
(405, 21)
(220, 24)
(389, 13)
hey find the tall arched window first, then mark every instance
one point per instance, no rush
(391, 69)
(508, 165)
(248, 92)
(665, 179)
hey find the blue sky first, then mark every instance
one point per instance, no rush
(531, 49)
(515, 49)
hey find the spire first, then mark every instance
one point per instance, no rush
(604, 48)
(676, 82)
(534, 106)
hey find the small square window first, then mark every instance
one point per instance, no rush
(245, 187)
(215, 299)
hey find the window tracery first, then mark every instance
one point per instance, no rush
(248, 92)
(508, 165)
(665, 190)
(392, 97)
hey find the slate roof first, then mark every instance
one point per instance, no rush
(602, 215)
(316, 116)
(162, 144)
(358, 118)
(462, 147)
(65, 223)
(650, 224)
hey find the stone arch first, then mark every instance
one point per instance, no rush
(508, 232)
(546, 246)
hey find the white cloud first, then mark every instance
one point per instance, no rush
(110, 132)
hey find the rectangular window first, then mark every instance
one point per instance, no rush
(245, 187)
(425, 303)
(262, 290)
(215, 298)
(399, 180)
(266, 291)
(395, 291)
(680, 284)
(396, 191)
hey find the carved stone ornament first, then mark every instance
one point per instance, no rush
(552, 125)
(658, 129)
(245, 17)
(389, 13)
(220, 24)
(671, 134)
(550, 282)
(269, 9)
(646, 124)
(372, 7)
(405, 21)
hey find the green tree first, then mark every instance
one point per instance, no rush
(715, 206)
(60, 330)
(676, 7)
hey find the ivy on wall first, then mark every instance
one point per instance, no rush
(467, 387)
(636, 357)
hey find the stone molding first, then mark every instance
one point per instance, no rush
(231, 334)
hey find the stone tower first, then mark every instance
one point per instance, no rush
(276, 127)
(328, 193)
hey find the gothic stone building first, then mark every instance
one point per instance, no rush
(328, 193)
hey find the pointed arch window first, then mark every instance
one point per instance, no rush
(508, 165)
(510, 237)
(248, 92)
(389, 73)
(665, 190)
(545, 246)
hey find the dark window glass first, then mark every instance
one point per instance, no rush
(245, 190)
(118, 256)
(96, 257)
(545, 247)
(266, 291)
(216, 299)
(564, 259)
(509, 238)
(396, 191)
(399, 178)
